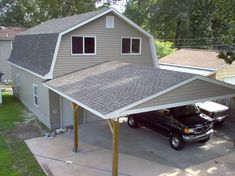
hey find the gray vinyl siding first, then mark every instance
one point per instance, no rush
(5, 51)
(25, 93)
(84, 116)
(54, 103)
(108, 46)
(194, 90)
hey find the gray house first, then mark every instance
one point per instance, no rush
(7, 35)
(61, 46)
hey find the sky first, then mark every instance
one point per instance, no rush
(119, 5)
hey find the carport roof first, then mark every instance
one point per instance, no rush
(111, 88)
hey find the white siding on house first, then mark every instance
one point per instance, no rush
(5, 51)
(25, 93)
(108, 46)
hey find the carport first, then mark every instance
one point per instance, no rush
(112, 90)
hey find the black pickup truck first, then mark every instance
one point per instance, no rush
(182, 124)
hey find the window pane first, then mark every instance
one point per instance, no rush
(35, 100)
(77, 45)
(135, 45)
(89, 45)
(126, 43)
(35, 90)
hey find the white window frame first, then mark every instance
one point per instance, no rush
(34, 95)
(131, 46)
(83, 49)
(107, 24)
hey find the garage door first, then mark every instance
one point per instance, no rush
(230, 80)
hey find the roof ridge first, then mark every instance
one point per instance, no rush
(61, 24)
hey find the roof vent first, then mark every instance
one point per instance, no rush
(109, 21)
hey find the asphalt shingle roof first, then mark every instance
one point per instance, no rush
(194, 57)
(34, 52)
(61, 24)
(34, 48)
(108, 87)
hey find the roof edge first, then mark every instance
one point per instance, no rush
(151, 38)
(31, 72)
(192, 67)
(154, 108)
(118, 113)
(74, 101)
(199, 77)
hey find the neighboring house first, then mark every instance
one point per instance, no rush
(200, 61)
(7, 35)
(61, 46)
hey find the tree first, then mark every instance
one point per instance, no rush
(164, 48)
(205, 24)
(28, 13)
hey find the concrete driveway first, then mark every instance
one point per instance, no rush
(142, 152)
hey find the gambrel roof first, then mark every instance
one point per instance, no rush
(35, 50)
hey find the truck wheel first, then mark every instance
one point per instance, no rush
(132, 122)
(205, 140)
(176, 141)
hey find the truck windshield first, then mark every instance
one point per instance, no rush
(183, 111)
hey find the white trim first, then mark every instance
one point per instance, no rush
(50, 74)
(130, 22)
(86, 21)
(119, 111)
(22, 68)
(153, 52)
(83, 49)
(186, 66)
(61, 113)
(186, 70)
(153, 108)
(131, 38)
(75, 101)
(35, 95)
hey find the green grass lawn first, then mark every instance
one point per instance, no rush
(15, 157)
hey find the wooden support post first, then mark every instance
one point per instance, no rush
(75, 126)
(115, 127)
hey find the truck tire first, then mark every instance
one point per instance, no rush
(176, 141)
(132, 122)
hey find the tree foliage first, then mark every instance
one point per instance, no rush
(164, 48)
(28, 13)
(208, 24)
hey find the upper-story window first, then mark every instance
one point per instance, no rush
(131, 45)
(83, 45)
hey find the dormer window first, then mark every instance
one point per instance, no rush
(83, 45)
